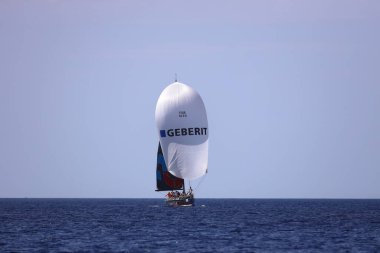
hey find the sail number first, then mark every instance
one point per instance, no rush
(182, 114)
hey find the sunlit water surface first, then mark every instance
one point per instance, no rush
(213, 225)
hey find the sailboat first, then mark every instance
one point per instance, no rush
(182, 154)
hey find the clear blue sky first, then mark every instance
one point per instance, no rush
(292, 90)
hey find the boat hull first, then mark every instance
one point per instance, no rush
(174, 202)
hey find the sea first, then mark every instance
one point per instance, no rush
(212, 225)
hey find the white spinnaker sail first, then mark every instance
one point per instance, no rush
(183, 130)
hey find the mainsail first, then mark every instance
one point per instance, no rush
(183, 130)
(165, 180)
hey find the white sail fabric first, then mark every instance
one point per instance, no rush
(183, 130)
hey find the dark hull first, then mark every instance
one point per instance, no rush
(182, 201)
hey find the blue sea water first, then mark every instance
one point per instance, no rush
(213, 225)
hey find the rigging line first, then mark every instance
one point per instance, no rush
(162, 194)
(200, 182)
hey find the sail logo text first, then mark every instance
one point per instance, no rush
(184, 131)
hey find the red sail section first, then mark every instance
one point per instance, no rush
(165, 180)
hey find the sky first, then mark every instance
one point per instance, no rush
(291, 89)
